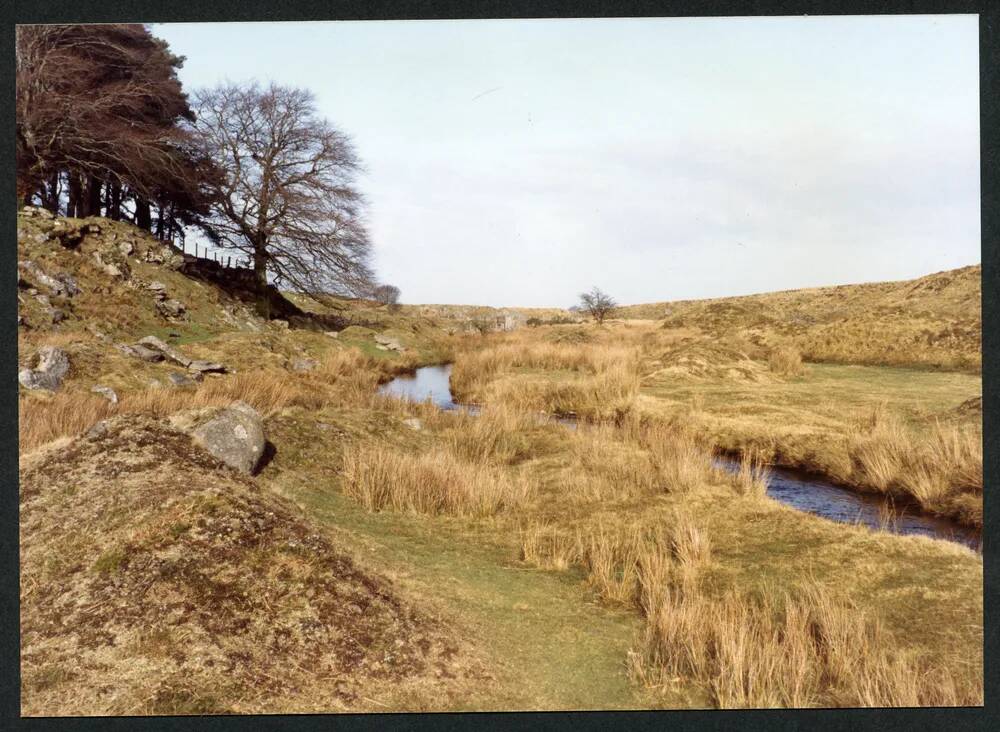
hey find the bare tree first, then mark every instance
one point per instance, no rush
(287, 198)
(597, 304)
(386, 294)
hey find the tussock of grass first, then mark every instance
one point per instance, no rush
(549, 547)
(437, 482)
(680, 463)
(935, 467)
(498, 434)
(752, 477)
(786, 361)
(799, 650)
(601, 454)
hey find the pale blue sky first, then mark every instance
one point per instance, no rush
(519, 162)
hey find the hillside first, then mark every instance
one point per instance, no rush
(932, 321)
(157, 579)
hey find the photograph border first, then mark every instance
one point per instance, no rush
(154, 11)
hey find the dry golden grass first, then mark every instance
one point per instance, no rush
(499, 434)
(935, 467)
(930, 322)
(601, 453)
(42, 420)
(598, 381)
(347, 374)
(801, 650)
(786, 361)
(549, 546)
(606, 396)
(752, 477)
(265, 391)
(679, 462)
(381, 477)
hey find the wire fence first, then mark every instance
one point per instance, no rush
(227, 261)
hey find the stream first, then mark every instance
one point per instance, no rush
(796, 488)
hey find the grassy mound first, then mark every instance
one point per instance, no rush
(143, 593)
(707, 360)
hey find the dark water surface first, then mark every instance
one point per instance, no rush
(796, 488)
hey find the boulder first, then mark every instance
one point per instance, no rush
(168, 351)
(105, 391)
(113, 270)
(235, 435)
(206, 367)
(52, 367)
(171, 308)
(179, 379)
(389, 342)
(141, 351)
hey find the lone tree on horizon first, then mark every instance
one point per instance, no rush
(287, 198)
(386, 295)
(597, 304)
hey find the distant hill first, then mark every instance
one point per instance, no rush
(932, 321)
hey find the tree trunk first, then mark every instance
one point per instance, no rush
(92, 204)
(260, 279)
(51, 197)
(75, 204)
(115, 206)
(159, 222)
(143, 216)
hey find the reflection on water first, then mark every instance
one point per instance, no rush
(427, 382)
(795, 488)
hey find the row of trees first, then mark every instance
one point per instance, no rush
(105, 129)
(101, 127)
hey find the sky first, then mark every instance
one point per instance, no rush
(520, 162)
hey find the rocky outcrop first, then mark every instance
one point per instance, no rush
(62, 285)
(48, 373)
(234, 435)
(169, 352)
